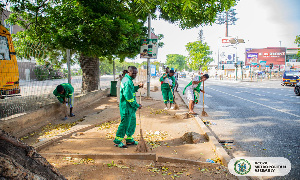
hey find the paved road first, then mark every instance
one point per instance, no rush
(263, 118)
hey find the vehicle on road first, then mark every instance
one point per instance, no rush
(9, 73)
(297, 89)
(182, 75)
(290, 78)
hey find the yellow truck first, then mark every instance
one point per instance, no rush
(9, 73)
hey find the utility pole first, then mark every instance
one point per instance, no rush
(226, 22)
(279, 43)
(69, 65)
(148, 59)
(114, 69)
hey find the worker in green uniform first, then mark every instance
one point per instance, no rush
(128, 107)
(167, 88)
(65, 94)
(192, 91)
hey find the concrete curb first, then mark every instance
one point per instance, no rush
(220, 151)
(136, 156)
(40, 145)
(30, 121)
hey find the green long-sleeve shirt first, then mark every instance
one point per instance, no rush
(128, 102)
(166, 85)
(69, 90)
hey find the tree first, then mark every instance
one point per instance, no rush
(176, 61)
(90, 28)
(297, 41)
(102, 28)
(198, 55)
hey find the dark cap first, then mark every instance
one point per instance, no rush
(171, 71)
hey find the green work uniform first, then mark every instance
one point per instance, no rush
(196, 90)
(128, 107)
(166, 89)
(68, 93)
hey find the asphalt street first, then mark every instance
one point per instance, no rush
(262, 118)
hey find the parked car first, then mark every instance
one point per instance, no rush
(290, 78)
(182, 75)
(297, 89)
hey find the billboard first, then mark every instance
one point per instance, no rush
(275, 55)
(149, 48)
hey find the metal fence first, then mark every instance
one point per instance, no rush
(37, 94)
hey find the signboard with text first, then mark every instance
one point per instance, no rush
(149, 48)
(275, 55)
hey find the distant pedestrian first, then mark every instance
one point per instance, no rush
(192, 91)
(65, 94)
(167, 87)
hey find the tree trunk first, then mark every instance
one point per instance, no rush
(20, 161)
(90, 73)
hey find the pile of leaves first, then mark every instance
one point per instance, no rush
(155, 139)
(51, 130)
(78, 161)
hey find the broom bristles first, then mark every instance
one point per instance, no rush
(176, 107)
(204, 114)
(141, 147)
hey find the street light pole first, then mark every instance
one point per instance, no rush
(148, 59)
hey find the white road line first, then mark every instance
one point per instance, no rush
(279, 110)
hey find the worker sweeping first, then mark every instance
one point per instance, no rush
(192, 91)
(128, 107)
(65, 94)
(167, 87)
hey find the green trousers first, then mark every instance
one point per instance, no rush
(126, 127)
(167, 95)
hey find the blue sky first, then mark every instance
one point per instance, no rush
(262, 23)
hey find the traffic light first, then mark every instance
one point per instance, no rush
(222, 67)
(271, 65)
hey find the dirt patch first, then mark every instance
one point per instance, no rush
(162, 132)
(133, 169)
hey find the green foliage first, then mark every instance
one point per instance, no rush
(198, 55)
(297, 41)
(186, 13)
(176, 61)
(41, 73)
(90, 27)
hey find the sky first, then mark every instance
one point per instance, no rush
(261, 23)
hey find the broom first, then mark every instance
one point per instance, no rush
(141, 147)
(204, 114)
(176, 107)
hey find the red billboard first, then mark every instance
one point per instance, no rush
(275, 55)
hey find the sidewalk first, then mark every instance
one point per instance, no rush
(86, 150)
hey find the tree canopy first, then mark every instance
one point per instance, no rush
(176, 61)
(198, 55)
(297, 41)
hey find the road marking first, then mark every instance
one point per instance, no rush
(283, 111)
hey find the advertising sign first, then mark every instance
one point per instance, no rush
(149, 48)
(275, 55)
(153, 70)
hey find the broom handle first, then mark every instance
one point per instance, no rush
(203, 95)
(140, 111)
